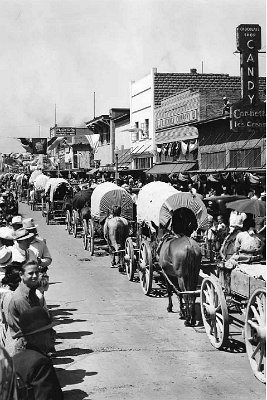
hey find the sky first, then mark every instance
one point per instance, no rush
(61, 52)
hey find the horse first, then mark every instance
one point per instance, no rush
(116, 231)
(180, 259)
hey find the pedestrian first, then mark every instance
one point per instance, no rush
(32, 363)
(24, 297)
(10, 283)
(37, 245)
(16, 222)
(7, 236)
(20, 249)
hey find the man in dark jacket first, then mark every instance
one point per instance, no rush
(32, 364)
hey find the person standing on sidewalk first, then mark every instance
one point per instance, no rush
(24, 297)
(20, 249)
(38, 245)
(32, 363)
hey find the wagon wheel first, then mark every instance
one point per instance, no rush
(129, 259)
(90, 237)
(85, 234)
(145, 267)
(255, 333)
(68, 222)
(74, 224)
(214, 312)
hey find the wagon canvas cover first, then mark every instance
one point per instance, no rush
(105, 196)
(156, 200)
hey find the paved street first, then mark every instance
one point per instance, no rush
(115, 343)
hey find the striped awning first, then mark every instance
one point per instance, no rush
(176, 134)
(171, 168)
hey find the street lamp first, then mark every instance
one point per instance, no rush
(116, 154)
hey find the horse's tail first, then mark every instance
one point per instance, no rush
(193, 263)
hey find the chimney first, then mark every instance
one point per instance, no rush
(193, 71)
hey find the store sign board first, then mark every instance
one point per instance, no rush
(63, 131)
(178, 110)
(249, 113)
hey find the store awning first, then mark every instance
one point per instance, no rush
(176, 134)
(93, 171)
(170, 168)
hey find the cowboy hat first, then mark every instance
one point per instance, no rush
(7, 233)
(16, 220)
(5, 256)
(23, 234)
(28, 223)
(34, 320)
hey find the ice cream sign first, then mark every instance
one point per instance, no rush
(249, 113)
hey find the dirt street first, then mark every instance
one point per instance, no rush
(116, 343)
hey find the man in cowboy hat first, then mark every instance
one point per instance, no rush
(16, 222)
(37, 245)
(20, 249)
(33, 364)
(5, 260)
(7, 236)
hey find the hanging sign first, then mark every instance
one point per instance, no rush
(250, 113)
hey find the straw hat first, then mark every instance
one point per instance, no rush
(16, 220)
(34, 320)
(23, 234)
(5, 256)
(7, 233)
(28, 223)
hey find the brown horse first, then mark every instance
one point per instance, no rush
(180, 259)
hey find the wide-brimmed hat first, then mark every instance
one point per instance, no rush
(16, 220)
(5, 256)
(28, 223)
(34, 320)
(7, 233)
(23, 234)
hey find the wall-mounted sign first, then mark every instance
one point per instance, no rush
(177, 110)
(249, 113)
(63, 131)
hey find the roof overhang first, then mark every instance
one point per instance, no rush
(170, 168)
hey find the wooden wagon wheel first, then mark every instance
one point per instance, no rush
(90, 237)
(68, 222)
(85, 234)
(255, 333)
(145, 267)
(74, 223)
(214, 312)
(129, 259)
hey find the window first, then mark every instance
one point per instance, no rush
(245, 158)
(143, 163)
(213, 160)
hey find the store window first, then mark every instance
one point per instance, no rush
(143, 163)
(245, 158)
(213, 160)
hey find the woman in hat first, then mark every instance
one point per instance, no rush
(32, 363)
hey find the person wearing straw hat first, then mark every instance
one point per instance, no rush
(16, 222)
(37, 245)
(5, 260)
(20, 249)
(7, 236)
(32, 363)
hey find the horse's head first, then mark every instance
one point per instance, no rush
(184, 221)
